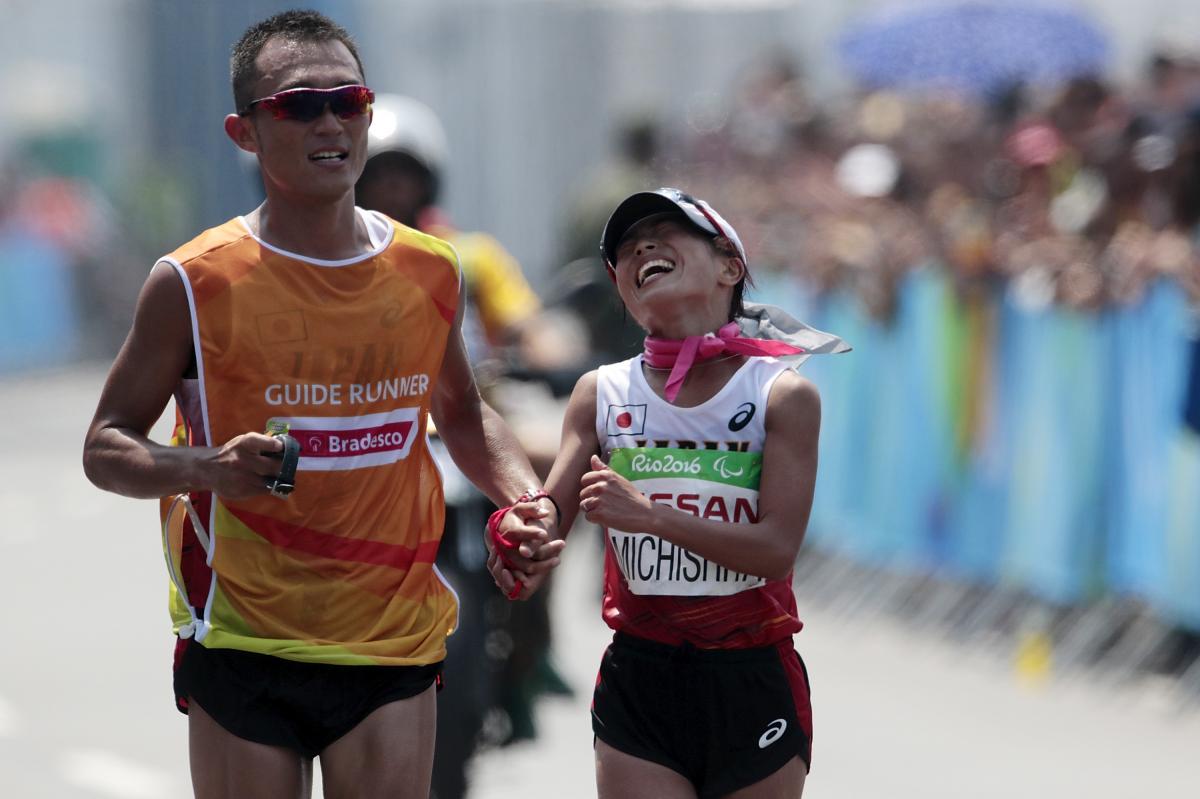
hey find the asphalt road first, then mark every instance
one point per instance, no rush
(86, 707)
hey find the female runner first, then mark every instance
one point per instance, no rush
(698, 458)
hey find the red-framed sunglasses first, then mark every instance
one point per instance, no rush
(305, 105)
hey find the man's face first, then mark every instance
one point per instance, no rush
(317, 160)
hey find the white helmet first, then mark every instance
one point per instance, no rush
(402, 124)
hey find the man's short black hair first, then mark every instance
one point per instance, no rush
(295, 26)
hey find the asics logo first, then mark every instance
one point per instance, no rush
(742, 417)
(774, 733)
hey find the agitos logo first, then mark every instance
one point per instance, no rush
(725, 471)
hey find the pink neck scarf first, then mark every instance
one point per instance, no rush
(680, 354)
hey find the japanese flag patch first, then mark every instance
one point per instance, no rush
(626, 420)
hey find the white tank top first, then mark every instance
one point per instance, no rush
(630, 414)
(704, 460)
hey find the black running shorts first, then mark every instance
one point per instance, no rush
(301, 706)
(725, 718)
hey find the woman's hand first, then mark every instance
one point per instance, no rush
(532, 551)
(610, 500)
(526, 527)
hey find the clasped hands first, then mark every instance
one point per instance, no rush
(537, 540)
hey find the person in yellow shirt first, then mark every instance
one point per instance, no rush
(311, 625)
(407, 154)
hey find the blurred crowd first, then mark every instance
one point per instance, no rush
(1019, 272)
(76, 241)
(1081, 194)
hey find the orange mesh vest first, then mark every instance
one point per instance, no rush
(346, 353)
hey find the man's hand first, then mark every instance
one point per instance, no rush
(239, 468)
(526, 527)
(532, 554)
(608, 499)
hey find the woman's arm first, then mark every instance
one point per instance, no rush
(767, 548)
(578, 445)
(479, 441)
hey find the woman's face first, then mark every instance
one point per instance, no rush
(665, 268)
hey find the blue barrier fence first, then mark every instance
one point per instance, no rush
(1041, 450)
(39, 313)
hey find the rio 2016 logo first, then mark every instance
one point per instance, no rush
(667, 464)
(742, 417)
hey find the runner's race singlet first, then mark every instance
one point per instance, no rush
(706, 461)
(346, 354)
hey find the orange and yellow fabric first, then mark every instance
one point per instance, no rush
(345, 354)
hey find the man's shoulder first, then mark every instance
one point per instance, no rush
(409, 237)
(477, 242)
(211, 240)
(481, 254)
(484, 258)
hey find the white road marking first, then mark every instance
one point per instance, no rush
(113, 775)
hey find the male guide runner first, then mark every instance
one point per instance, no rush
(313, 625)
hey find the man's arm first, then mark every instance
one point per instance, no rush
(579, 444)
(478, 439)
(118, 456)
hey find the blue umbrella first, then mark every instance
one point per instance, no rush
(978, 47)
